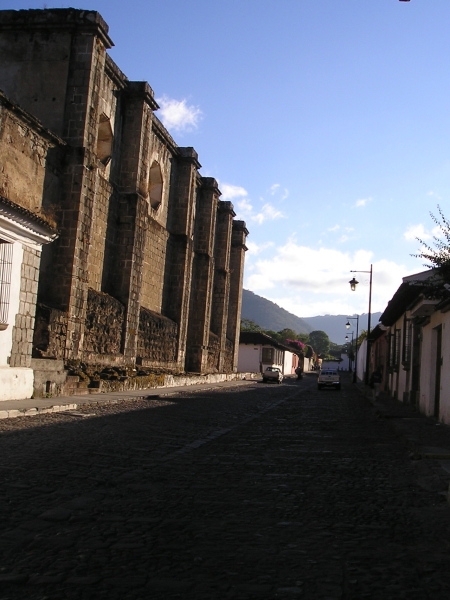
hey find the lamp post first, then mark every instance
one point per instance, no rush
(351, 361)
(353, 283)
(356, 345)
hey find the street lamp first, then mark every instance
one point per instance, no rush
(353, 283)
(356, 345)
(350, 360)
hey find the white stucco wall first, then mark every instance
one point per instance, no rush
(287, 365)
(249, 358)
(361, 363)
(15, 383)
(428, 367)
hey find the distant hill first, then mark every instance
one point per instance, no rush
(269, 315)
(334, 325)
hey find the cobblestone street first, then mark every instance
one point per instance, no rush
(248, 492)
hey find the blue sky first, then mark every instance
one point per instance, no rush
(326, 123)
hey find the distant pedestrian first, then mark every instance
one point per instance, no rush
(375, 382)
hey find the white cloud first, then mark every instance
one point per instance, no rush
(255, 249)
(232, 191)
(268, 213)
(274, 188)
(416, 231)
(362, 202)
(177, 115)
(243, 208)
(314, 281)
(343, 239)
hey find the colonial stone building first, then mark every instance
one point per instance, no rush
(26, 176)
(146, 272)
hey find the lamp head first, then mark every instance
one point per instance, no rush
(353, 283)
(348, 325)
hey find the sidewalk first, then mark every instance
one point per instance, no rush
(34, 406)
(427, 440)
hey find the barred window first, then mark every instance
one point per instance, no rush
(6, 255)
(394, 350)
(267, 355)
(397, 338)
(406, 350)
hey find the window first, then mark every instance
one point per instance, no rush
(267, 355)
(394, 350)
(104, 140)
(406, 349)
(155, 185)
(397, 348)
(6, 254)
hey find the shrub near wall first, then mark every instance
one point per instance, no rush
(157, 340)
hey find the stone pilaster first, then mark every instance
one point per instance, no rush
(133, 217)
(179, 266)
(221, 288)
(237, 257)
(203, 276)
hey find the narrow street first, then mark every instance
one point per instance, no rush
(256, 491)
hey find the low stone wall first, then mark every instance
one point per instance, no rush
(49, 377)
(229, 356)
(157, 340)
(104, 324)
(50, 333)
(213, 353)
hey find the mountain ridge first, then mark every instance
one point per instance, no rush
(270, 316)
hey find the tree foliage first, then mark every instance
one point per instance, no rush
(439, 256)
(320, 341)
(248, 325)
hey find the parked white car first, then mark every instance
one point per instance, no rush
(272, 374)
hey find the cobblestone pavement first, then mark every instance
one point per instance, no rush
(256, 492)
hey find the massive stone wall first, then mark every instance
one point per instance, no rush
(145, 269)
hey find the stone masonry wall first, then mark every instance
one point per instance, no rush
(22, 340)
(154, 266)
(213, 353)
(104, 326)
(50, 333)
(157, 341)
(144, 269)
(228, 365)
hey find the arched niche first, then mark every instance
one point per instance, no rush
(155, 185)
(104, 139)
